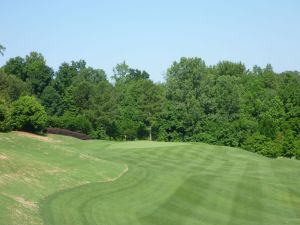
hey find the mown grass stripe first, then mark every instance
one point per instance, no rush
(167, 183)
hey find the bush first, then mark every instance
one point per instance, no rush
(271, 149)
(4, 117)
(83, 125)
(297, 148)
(71, 122)
(263, 145)
(255, 143)
(99, 133)
(28, 114)
(204, 137)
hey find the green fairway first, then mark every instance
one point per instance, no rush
(59, 180)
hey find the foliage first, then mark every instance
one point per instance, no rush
(11, 88)
(228, 105)
(31, 69)
(16, 66)
(4, 116)
(52, 101)
(28, 114)
(224, 104)
(71, 122)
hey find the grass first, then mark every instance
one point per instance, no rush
(65, 181)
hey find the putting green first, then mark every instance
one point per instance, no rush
(101, 182)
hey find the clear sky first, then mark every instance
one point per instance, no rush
(151, 34)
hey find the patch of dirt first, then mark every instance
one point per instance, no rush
(20, 177)
(21, 216)
(25, 203)
(55, 170)
(35, 136)
(7, 178)
(3, 157)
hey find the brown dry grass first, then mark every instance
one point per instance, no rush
(35, 136)
(3, 157)
(25, 203)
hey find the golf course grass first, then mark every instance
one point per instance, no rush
(57, 180)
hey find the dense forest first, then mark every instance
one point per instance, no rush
(224, 104)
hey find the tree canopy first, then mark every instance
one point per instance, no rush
(226, 104)
(28, 114)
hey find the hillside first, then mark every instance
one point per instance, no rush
(57, 180)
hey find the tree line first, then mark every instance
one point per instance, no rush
(225, 104)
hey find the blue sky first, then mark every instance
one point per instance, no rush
(151, 34)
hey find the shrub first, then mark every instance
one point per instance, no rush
(71, 122)
(297, 148)
(204, 137)
(99, 133)
(28, 114)
(263, 145)
(4, 117)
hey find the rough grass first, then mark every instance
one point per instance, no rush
(72, 182)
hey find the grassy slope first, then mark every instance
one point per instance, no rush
(167, 184)
(33, 169)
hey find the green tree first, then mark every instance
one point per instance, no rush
(38, 73)
(66, 74)
(69, 102)
(228, 96)
(120, 72)
(52, 101)
(183, 91)
(227, 68)
(11, 87)
(123, 73)
(32, 69)
(271, 118)
(224, 104)
(102, 111)
(16, 66)
(4, 116)
(135, 74)
(28, 114)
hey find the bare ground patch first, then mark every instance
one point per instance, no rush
(55, 170)
(25, 203)
(29, 176)
(3, 157)
(23, 177)
(88, 157)
(35, 136)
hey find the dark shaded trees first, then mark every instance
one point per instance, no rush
(32, 69)
(52, 101)
(11, 88)
(16, 66)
